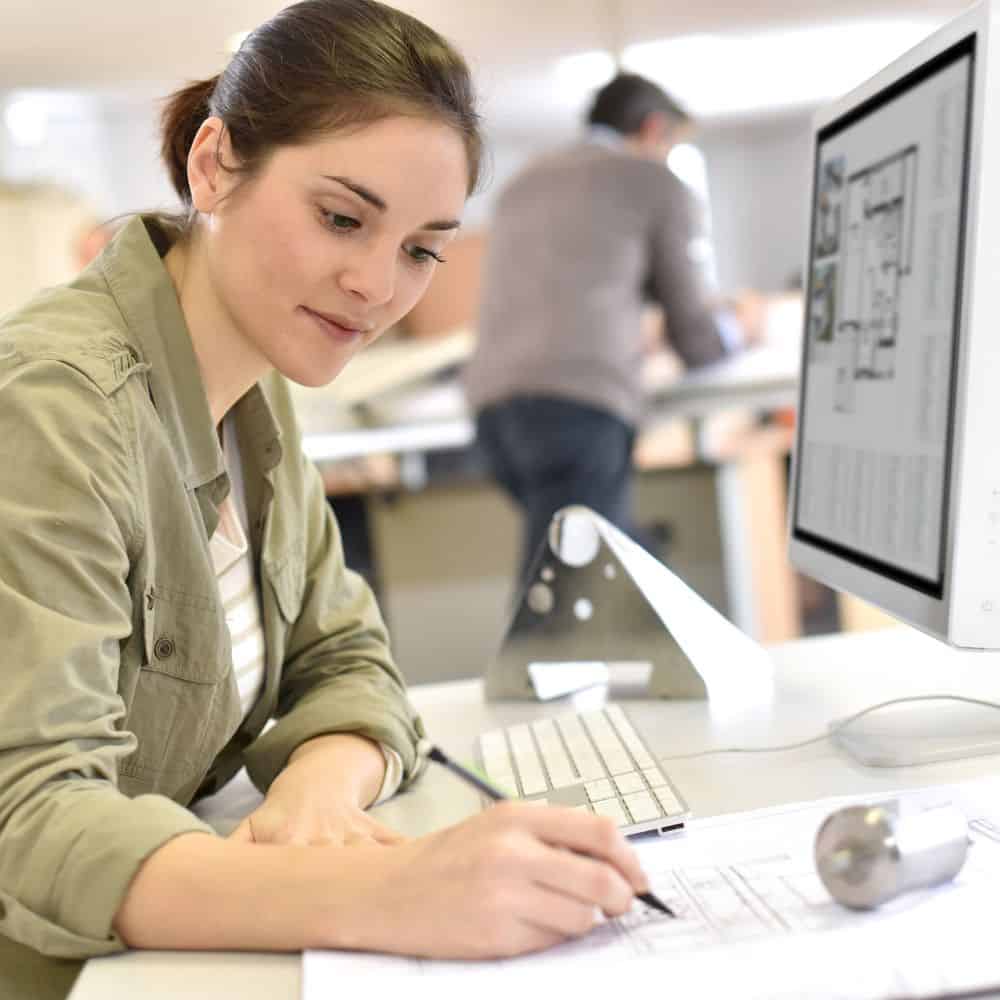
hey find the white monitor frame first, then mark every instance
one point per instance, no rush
(966, 613)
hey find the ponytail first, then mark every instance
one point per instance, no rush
(182, 116)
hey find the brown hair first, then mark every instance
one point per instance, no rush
(317, 67)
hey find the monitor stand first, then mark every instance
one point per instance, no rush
(920, 732)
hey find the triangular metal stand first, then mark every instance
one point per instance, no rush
(597, 607)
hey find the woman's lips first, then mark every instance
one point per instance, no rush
(331, 327)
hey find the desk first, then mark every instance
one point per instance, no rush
(435, 418)
(817, 680)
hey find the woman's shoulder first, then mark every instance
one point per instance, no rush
(78, 325)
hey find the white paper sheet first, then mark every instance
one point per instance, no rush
(754, 921)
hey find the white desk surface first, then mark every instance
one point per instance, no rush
(817, 680)
(425, 418)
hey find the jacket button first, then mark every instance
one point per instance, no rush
(163, 649)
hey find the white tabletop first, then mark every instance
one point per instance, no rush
(435, 417)
(817, 680)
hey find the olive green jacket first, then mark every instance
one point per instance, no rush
(118, 704)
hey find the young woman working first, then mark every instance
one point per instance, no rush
(171, 577)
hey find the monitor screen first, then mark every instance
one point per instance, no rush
(883, 309)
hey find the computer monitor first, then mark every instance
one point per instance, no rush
(896, 480)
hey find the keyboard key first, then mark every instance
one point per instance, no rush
(581, 751)
(612, 808)
(561, 771)
(641, 806)
(528, 764)
(654, 777)
(589, 766)
(629, 736)
(597, 790)
(630, 782)
(668, 800)
(618, 763)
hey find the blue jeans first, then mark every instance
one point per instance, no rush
(548, 452)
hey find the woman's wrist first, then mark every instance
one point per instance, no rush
(353, 764)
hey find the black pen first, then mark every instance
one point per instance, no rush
(427, 749)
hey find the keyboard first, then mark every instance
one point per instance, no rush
(594, 761)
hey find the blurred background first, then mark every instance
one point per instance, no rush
(80, 87)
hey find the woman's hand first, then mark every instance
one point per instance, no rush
(513, 879)
(319, 798)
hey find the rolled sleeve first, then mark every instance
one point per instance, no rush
(94, 844)
(393, 776)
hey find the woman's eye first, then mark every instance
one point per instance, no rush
(340, 222)
(424, 256)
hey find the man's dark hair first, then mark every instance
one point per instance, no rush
(625, 102)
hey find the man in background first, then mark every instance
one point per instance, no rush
(579, 240)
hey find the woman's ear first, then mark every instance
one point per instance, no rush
(208, 180)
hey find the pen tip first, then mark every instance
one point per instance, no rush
(427, 749)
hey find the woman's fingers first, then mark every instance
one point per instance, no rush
(588, 882)
(555, 915)
(595, 837)
(243, 832)
(385, 835)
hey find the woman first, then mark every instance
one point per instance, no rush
(171, 577)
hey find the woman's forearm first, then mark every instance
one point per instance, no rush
(205, 893)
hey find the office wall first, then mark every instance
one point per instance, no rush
(758, 176)
(107, 151)
(104, 150)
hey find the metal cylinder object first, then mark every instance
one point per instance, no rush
(866, 855)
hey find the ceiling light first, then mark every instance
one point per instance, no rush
(26, 120)
(584, 71)
(730, 74)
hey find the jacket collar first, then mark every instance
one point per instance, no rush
(134, 270)
(140, 284)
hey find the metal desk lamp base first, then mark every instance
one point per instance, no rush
(584, 618)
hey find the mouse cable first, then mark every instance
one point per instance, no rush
(835, 728)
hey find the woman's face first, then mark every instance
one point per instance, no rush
(332, 242)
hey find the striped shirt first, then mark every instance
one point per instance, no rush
(234, 571)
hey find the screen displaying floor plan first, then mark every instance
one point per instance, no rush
(882, 322)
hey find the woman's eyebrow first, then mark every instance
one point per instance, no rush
(438, 225)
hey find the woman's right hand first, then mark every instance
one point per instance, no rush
(513, 879)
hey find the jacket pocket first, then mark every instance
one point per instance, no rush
(184, 635)
(184, 702)
(287, 579)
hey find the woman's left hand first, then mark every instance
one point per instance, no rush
(319, 797)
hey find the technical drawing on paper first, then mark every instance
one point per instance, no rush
(876, 261)
(754, 920)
